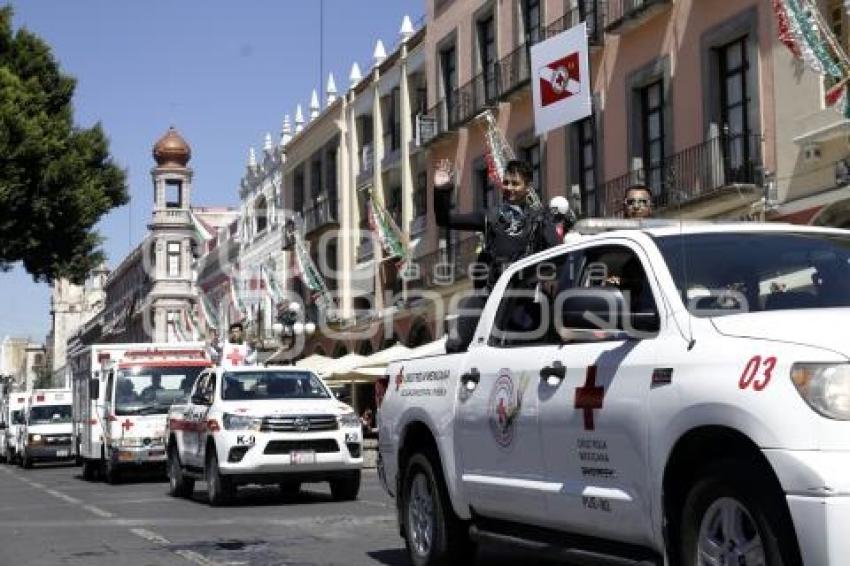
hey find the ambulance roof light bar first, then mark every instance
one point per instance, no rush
(589, 226)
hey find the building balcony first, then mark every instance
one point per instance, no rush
(625, 15)
(445, 266)
(505, 77)
(325, 212)
(365, 249)
(165, 216)
(594, 12)
(702, 181)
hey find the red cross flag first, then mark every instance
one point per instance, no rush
(561, 90)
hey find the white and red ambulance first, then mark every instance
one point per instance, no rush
(122, 394)
(46, 433)
(11, 421)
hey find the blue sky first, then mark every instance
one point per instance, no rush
(224, 73)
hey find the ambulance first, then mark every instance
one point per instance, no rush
(11, 419)
(46, 434)
(122, 394)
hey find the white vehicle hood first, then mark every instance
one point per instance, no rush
(285, 407)
(59, 428)
(820, 328)
(144, 426)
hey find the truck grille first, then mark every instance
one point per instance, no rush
(64, 439)
(320, 446)
(299, 423)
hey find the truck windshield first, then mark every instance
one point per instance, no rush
(731, 273)
(146, 390)
(50, 414)
(272, 385)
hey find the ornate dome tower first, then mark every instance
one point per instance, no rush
(171, 235)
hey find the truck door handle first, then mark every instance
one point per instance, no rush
(470, 379)
(556, 370)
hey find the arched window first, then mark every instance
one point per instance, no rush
(339, 351)
(366, 348)
(261, 214)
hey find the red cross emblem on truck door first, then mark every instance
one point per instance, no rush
(589, 397)
(127, 425)
(235, 357)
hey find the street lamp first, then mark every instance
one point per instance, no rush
(291, 325)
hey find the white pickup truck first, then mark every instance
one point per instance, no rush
(673, 394)
(267, 425)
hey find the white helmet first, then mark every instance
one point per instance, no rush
(559, 205)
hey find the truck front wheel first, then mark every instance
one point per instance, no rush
(178, 484)
(434, 535)
(220, 488)
(729, 519)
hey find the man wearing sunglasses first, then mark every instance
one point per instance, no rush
(638, 202)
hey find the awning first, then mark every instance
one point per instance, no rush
(376, 364)
(316, 363)
(340, 369)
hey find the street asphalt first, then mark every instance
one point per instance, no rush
(50, 515)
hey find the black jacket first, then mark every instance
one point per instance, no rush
(504, 243)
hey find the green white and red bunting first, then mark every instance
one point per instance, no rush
(192, 323)
(208, 311)
(270, 283)
(234, 296)
(201, 231)
(803, 31)
(386, 230)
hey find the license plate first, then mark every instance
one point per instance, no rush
(156, 453)
(62, 453)
(303, 457)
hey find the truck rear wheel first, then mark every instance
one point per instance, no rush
(89, 470)
(220, 488)
(730, 519)
(433, 534)
(346, 487)
(111, 472)
(178, 484)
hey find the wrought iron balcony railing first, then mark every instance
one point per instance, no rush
(324, 212)
(695, 173)
(505, 76)
(624, 15)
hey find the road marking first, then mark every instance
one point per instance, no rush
(98, 511)
(189, 555)
(196, 558)
(63, 497)
(150, 536)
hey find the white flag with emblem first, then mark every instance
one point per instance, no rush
(560, 80)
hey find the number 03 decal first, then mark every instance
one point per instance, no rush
(757, 373)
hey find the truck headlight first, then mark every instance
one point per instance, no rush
(348, 420)
(241, 422)
(35, 439)
(129, 442)
(825, 387)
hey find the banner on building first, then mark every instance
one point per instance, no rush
(560, 80)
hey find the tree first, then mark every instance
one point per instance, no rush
(56, 180)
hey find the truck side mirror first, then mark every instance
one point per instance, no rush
(94, 389)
